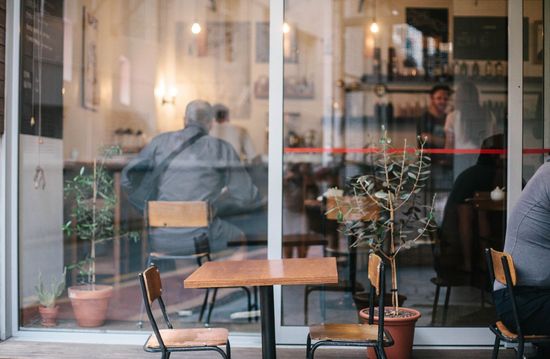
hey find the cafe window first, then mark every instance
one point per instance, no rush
(99, 82)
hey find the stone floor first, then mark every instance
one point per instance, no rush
(25, 349)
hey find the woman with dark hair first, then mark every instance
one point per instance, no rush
(467, 125)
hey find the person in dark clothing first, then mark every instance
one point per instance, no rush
(461, 229)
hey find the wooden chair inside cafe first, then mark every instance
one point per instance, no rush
(501, 268)
(170, 340)
(357, 335)
(185, 214)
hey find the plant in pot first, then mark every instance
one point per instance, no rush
(93, 198)
(385, 213)
(47, 293)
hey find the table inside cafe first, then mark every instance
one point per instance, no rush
(265, 273)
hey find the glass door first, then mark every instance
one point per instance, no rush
(437, 71)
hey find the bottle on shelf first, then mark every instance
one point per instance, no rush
(475, 70)
(499, 69)
(489, 70)
(464, 69)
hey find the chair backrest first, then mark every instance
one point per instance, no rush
(498, 267)
(376, 275)
(177, 214)
(374, 271)
(349, 206)
(151, 290)
(501, 268)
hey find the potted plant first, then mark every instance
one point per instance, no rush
(92, 221)
(385, 213)
(47, 294)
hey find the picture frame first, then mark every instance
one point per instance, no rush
(538, 43)
(90, 76)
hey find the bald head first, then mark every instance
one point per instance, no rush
(199, 113)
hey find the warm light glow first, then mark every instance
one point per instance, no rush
(374, 28)
(173, 91)
(286, 28)
(196, 28)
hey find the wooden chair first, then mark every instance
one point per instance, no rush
(171, 340)
(185, 214)
(501, 269)
(357, 335)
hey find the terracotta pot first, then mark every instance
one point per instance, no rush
(48, 315)
(90, 304)
(401, 330)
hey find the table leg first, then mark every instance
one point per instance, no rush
(268, 322)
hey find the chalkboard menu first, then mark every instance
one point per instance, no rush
(42, 68)
(485, 38)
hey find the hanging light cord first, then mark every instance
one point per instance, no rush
(39, 180)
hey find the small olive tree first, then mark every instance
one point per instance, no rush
(92, 213)
(385, 211)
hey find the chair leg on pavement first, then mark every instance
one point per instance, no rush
(228, 350)
(212, 304)
(446, 307)
(381, 352)
(496, 347)
(436, 302)
(308, 346)
(520, 350)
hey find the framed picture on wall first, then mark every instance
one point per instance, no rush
(290, 44)
(538, 53)
(90, 78)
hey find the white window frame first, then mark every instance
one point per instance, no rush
(429, 336)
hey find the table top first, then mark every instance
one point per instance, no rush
(263, 272)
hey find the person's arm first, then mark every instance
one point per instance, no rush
(239, 193)
(144, 162)
(449, 131)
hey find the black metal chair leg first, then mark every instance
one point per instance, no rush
(228, 350)
(249, 302)
(204, 304)
(212, 304)
(446, 306)
(436, 302)
(496, 347)
(382, 352)
(308, 345)
(520, 350)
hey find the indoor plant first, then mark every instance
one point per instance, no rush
(47, 294)
(385, 213)
(92, 220)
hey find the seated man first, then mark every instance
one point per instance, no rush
(208, 170)
(528, 241)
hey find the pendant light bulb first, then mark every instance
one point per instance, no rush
(286, 28)
(196, 28)
(374, 27)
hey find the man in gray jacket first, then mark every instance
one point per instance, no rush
(528, 241)
(208, 170)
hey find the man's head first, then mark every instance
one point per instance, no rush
(439, 98)
(199, 113)
(221, 113)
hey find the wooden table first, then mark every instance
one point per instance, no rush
(265, 273)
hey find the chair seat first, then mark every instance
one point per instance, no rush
(185, 338)
(345, 332)
(511, 336)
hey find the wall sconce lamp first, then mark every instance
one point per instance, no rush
(167, 98)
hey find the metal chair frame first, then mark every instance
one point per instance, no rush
(162, 347)
(521, 339)
(380, 343)
(202, 255)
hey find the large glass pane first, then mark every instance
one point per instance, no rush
(116, 75)
(435, 69)
(535, 127)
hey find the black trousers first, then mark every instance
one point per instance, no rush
(533, 310)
